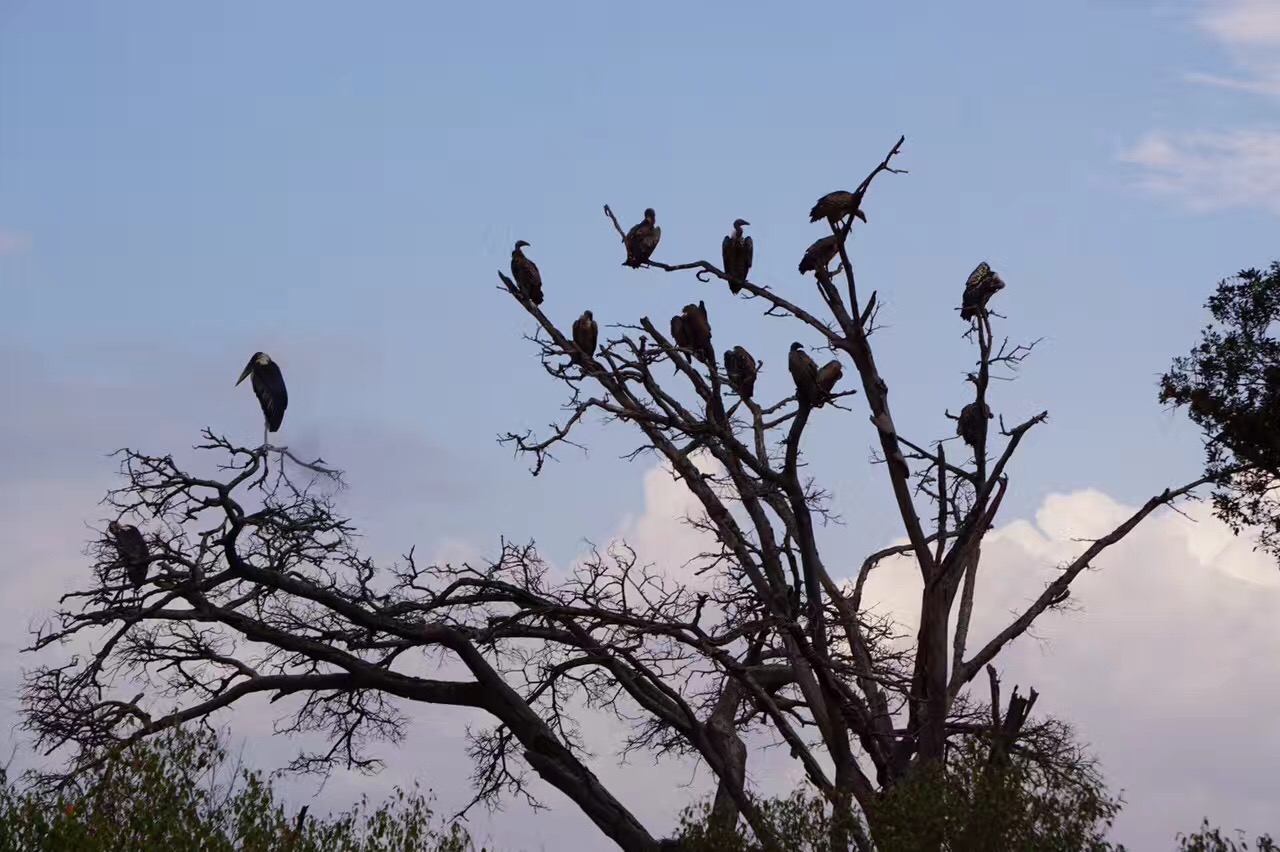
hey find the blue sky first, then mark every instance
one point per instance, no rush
(183, 184)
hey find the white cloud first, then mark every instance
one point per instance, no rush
(1175, 645)
(1243, 23)
(1211, 170)
(1169, 669)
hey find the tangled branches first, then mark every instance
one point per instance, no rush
(257, 587)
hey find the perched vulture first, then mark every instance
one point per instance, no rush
(526, 274)
(585, 334)
(642, 240)
(132, 548)
(972, 423)
(699, 329)
(805, 373)
(680, 332)
(737, 251)
(983, 283)
(818, 256)
(828, 375)
(741, 370)
(834, 206)
(268, 387)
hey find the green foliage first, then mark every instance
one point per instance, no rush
(1211, 840)
(965, 805)
(1230, 385)
(168, 793)
(800, 820)
(971, 806)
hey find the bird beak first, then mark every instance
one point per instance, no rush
(861, 215)
(247, 370)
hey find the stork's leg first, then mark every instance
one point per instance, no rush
(265, 434)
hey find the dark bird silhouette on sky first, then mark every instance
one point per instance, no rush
(741, 369)
(805, 374)
(698, 327)
(827, 377)
(642, 239)
(737, 251)
(817, 258)
(834, 206)
(680, 332)
(526, 274)
(983, 283)
(585, 334)
(132, 549)
(268, 386)
(971, 426)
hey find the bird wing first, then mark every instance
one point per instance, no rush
(748, 251)
(726, 254)
(268, 385)
(806, 262)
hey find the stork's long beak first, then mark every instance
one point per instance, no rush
(247, 370)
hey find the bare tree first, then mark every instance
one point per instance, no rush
(257, 587)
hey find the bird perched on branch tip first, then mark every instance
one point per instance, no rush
(834, 206)
(642, 239)
(526, 274)
(982, 284)
(268, 386)
(737, 251)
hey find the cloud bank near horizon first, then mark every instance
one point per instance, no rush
(1171, 651)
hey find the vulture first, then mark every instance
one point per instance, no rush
(132, 548)
(698, 327)
(526, 274)
(268, 386)
(585, 334)
(983, 283)
(805, 374)
(827, 377)
(834, 206)
(737, 250)
(741, 370)
(642, 240)
(972, 422)
(818, 256)
(680, 332)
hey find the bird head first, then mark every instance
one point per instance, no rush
(796, 345)
(520, 244)
(588, 316)
(258, 358)
(738, 223)
(114, 528)
(649, 215)
(860, 214)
